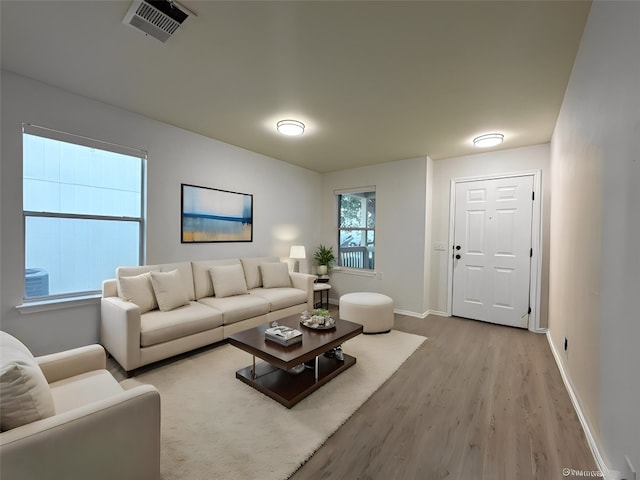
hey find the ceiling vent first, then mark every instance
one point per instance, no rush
(158, 18)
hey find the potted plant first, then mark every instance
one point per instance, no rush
(325, 258)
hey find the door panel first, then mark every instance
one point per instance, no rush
(506, 224)
(474, 239)
(473, 293)
(492, 227)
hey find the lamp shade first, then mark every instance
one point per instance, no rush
(297, 251)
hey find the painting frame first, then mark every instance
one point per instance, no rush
(213, 215)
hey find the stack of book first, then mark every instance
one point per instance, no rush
(283, 335)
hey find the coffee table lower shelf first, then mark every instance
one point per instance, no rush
(288, 389)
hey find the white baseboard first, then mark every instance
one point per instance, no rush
(409, 313)
(595, 451)
(421, 315)
(436, 312)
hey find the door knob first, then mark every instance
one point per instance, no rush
(458, 257)
(458, 247)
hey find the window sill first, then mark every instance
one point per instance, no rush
(57, 304)
(354, 271)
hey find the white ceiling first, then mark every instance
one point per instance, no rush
(373, 81)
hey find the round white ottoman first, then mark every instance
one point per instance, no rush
(373, 311)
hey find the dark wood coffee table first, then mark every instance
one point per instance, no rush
(273, 379)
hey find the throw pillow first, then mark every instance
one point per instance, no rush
(169, 290)
(228, 280)
(275, 275)
(138, 290)
(25, 392)
(251, 266)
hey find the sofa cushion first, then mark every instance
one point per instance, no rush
(280, 298)
(275, 274)
(138, 289)
(202, 277)
(158, 327)
(228, 280)
(169, 290)
(237, 308)
(25, 392)
(83, 389)
(251, 267)
(132, 271)
(186, 274)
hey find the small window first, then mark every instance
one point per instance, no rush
(83, 212)
(356, 232)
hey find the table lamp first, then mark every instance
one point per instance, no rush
(297, 253)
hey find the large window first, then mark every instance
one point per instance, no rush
(356, 232)
(83, 212)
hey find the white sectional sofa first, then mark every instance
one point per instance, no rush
(153, 312)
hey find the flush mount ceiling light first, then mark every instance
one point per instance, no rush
(488, 140)
(290, 127)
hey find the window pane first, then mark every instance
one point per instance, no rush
(351, 238)
(64, 177)
(65, 256)
(351, 211)
(371, 211)
(370, 237)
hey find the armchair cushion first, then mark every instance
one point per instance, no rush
(25, 392)
(80, 390)
(138, 289)
(275, 274)
(169, 290)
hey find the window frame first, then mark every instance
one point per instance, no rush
(82, 141)
(366, 229)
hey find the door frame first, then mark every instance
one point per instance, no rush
(535, 276)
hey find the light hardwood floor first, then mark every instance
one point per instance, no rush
(476, 401)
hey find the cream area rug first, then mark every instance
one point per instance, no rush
(216, 427)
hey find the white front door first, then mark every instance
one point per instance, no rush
(492, 250)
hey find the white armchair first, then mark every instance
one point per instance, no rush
(64, 416)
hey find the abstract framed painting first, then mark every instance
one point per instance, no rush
(213, 215)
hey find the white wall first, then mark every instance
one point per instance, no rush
(494, 163)
(285, 197)
(595, 265)
(401, 209)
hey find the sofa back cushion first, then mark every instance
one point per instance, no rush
(25, 392)
(136, 270)
(169, 289)
(251, 267)
(138, 289)
(275, 274)
(228, 280)
(203, 285)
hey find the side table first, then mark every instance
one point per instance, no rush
(320, 288)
